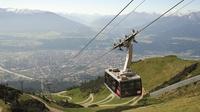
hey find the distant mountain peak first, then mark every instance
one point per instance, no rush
(25, 20)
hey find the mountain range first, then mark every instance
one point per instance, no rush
(172, 34)
(38, 21)
(43, 21)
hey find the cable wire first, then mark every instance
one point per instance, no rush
(102, 30)
(160, 17)
(115, 26)
(190, 2)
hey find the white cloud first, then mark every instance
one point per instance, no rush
(187, 39)
(147, 39)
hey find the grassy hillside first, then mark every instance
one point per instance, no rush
(155, 71)
(184, 99)
(19, 101)
(196, 71)
(76, 94)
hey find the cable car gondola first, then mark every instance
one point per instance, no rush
(124, 83)
(121, 84)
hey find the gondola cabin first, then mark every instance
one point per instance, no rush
(123, 84)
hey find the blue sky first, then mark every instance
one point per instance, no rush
(95, 6)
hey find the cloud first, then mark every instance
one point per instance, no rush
(186, 39)
(147, 39)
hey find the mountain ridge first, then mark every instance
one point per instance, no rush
(38, 21)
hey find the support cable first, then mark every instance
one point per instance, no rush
(79, 53)
(160, 17)
(190, 2)
(125, 17)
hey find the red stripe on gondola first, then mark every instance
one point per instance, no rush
(118, 92)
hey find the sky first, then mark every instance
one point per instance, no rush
(103, 7)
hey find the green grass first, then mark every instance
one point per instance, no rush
(24, 97)
(78, 110)
(155, 71)
(101, 95)
(58, 98)
(76, 94)
(176, 105)
(117, 100)
(67, 109)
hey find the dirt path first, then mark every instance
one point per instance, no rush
(60, 95)
(109, 100)
(51, 109)
(89, 102)
(104, 100)
(131, 102)
(135, 102)
(1, 109)
(85, 101)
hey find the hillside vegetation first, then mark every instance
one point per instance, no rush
(13, 100)
(155, 71)
(184, 99)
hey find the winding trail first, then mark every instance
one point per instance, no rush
(131, 102)
(51, 109)
(85, 101)
(135, 102)
(89, 102)
(111, 96)
(109, 100)
(60, 95)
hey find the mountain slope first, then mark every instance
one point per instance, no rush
(185, 99)
(17, 101)
(155, 71)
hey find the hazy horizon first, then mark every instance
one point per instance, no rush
(98, 7)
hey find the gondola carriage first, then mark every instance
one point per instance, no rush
(123, 84)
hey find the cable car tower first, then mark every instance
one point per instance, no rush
(124, 83)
